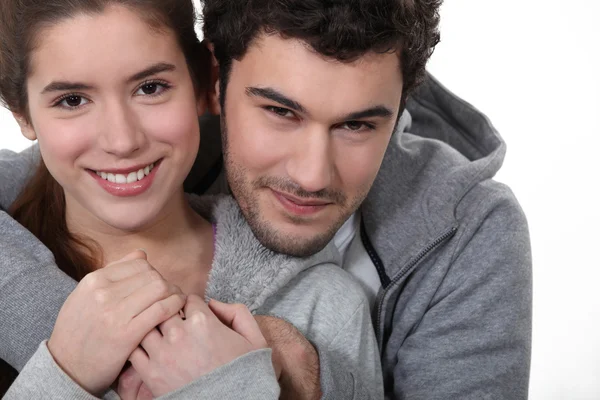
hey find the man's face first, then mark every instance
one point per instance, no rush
(304, 138)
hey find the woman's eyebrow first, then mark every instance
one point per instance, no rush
(63, 86)
(152, 70)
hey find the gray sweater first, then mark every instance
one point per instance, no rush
(451, 247)
(314, 294)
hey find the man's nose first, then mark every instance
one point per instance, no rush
(310, 164)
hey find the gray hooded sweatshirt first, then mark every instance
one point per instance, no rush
(451, 247)
(314, 294)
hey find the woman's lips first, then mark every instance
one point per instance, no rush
(125, 189)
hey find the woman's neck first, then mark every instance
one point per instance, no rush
(179, 243)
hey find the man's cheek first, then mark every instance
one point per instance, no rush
(255, 155)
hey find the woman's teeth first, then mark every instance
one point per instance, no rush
(129, 178)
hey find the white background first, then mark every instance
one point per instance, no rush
(533, 67)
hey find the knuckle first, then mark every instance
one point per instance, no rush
(154, 275)
(142, 265)
(162, 310)
(198, 319)
(174, 334)
(91, 280)
(102, 296)
(161, 287)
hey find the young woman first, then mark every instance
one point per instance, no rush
(112, 91)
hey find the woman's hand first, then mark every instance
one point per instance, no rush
(107, 316)
(131, 386)
(182, 350)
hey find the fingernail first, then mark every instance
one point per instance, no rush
(144, 250)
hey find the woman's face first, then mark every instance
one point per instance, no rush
(113, 106)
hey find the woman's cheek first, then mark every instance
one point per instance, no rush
(64, 141)
(176, 124)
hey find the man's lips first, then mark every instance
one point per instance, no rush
(301, 201)
(300, 206)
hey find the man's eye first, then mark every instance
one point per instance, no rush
(282, 112)
(357, 126)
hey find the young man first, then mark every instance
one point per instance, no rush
(326, 137)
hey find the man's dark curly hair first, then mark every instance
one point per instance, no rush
(341, 29)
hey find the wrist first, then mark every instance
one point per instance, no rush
(294, 356)
(57, 354)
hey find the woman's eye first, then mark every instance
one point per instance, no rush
(73, 101)
(151, 89)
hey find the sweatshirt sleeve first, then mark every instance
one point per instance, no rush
(331, 310)
(350, 367)
(42, 378)
(32, 292)
(250, 376)
(32, 287)
(15, 171)
(474, 340)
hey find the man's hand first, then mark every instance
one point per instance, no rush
(295, 360)
(182, 350)
(107, 316)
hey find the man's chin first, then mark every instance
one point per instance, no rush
(300, 250)
(292, 244)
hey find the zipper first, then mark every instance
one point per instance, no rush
(385, 279)
(408, 268)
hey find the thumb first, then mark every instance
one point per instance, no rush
(239, 318)
(134, 255)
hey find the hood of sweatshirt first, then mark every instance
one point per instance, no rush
(442, 149)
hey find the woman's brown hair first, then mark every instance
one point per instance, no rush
(41, 205)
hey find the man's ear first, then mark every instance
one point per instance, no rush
(213, 92)
(201, 105)
(26, 127)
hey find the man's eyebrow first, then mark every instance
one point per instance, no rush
(64, 86)
(274, 95)
(377, 111)
(152, 70)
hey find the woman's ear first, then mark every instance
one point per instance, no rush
(26, 127)
(213, 92)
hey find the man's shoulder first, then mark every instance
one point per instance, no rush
(490, 201)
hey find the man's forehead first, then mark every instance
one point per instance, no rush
(293, 68)
(267, 43)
